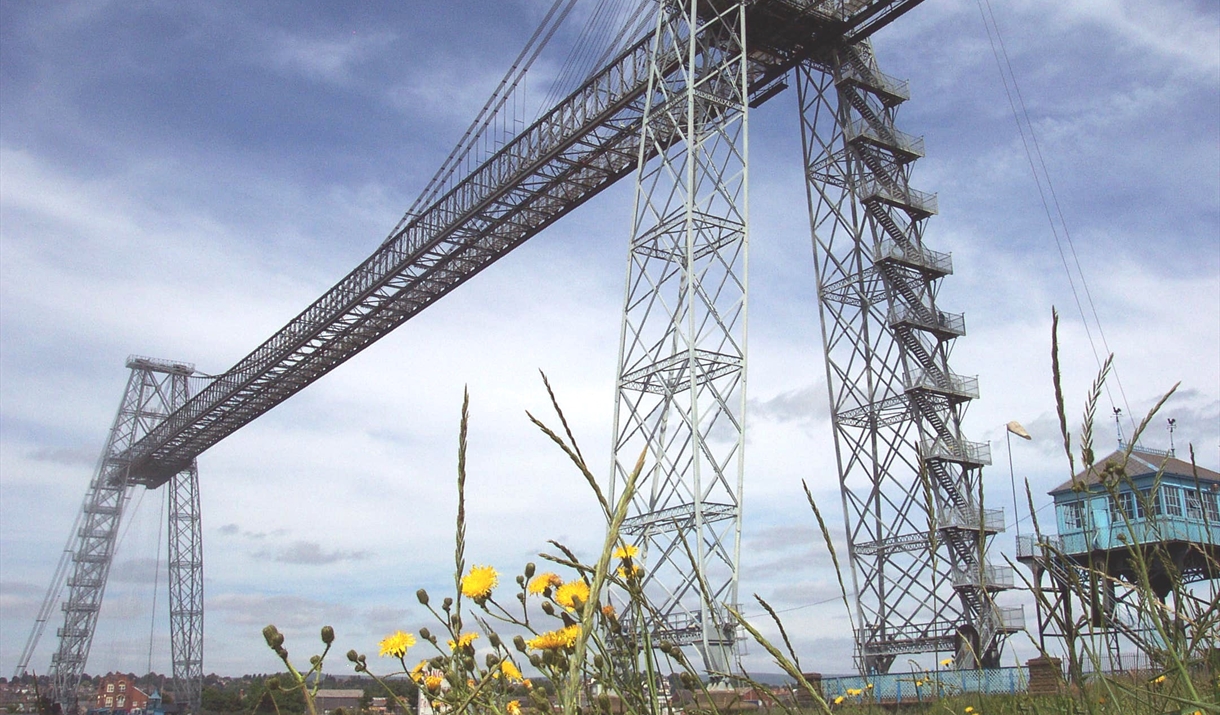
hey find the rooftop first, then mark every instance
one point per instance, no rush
(1140, 464)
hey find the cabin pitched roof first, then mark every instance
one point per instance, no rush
(1140, 464)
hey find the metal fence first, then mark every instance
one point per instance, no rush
(923, 686)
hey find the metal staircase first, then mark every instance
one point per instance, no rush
(896, 404)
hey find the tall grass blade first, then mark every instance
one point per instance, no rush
(1055, 376)
(834, 557)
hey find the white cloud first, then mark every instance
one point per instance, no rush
(330, 59)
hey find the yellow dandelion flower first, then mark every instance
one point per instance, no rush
(567, 594)
(1158, 680)
(417, 673)
(396, 645)
(869, 686)
(479, 582)
(433, 682)
(626, 552)
(510, 671)
(839, 700)
(854, 692)
(624, 572)
(463, 641)
(947, 662)
(969, 709)
(543, 581)
(513, 707)
(555, 640)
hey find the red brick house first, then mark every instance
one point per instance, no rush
(118, 691)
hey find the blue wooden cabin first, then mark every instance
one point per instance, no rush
(1151, 498)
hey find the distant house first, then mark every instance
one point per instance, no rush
(329, 700)
(118, 691)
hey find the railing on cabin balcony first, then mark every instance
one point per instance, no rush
(1142, 531)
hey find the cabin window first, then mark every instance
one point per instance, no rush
(1148, 501)
(1073, 516)
(122, 701)
(1210, 509)
(1194, 506)
(1172, 503)
(1123, 505)
(110, 687)
(122, 687)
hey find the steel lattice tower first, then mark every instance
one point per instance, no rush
(910, 481)
(155, 388)
(682, 356)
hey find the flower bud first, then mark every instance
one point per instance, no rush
(547, 608)
(272, 635)
(314, 660)
(273, 683)
(529, 570)
(519, 643)
(353, 656)
(328, 635)
(535, 661)
(494, 639)
(491, 660)
(447, 604)
(521, 581)
(598, 661)
(425, 634)
(422, 595)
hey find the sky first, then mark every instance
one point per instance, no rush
(179, 180)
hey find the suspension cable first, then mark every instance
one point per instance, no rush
(476, 133)
(1042, 174)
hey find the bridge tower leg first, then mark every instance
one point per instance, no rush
(910, 481)
(154, 389)
(682, 357)
(186, 587)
